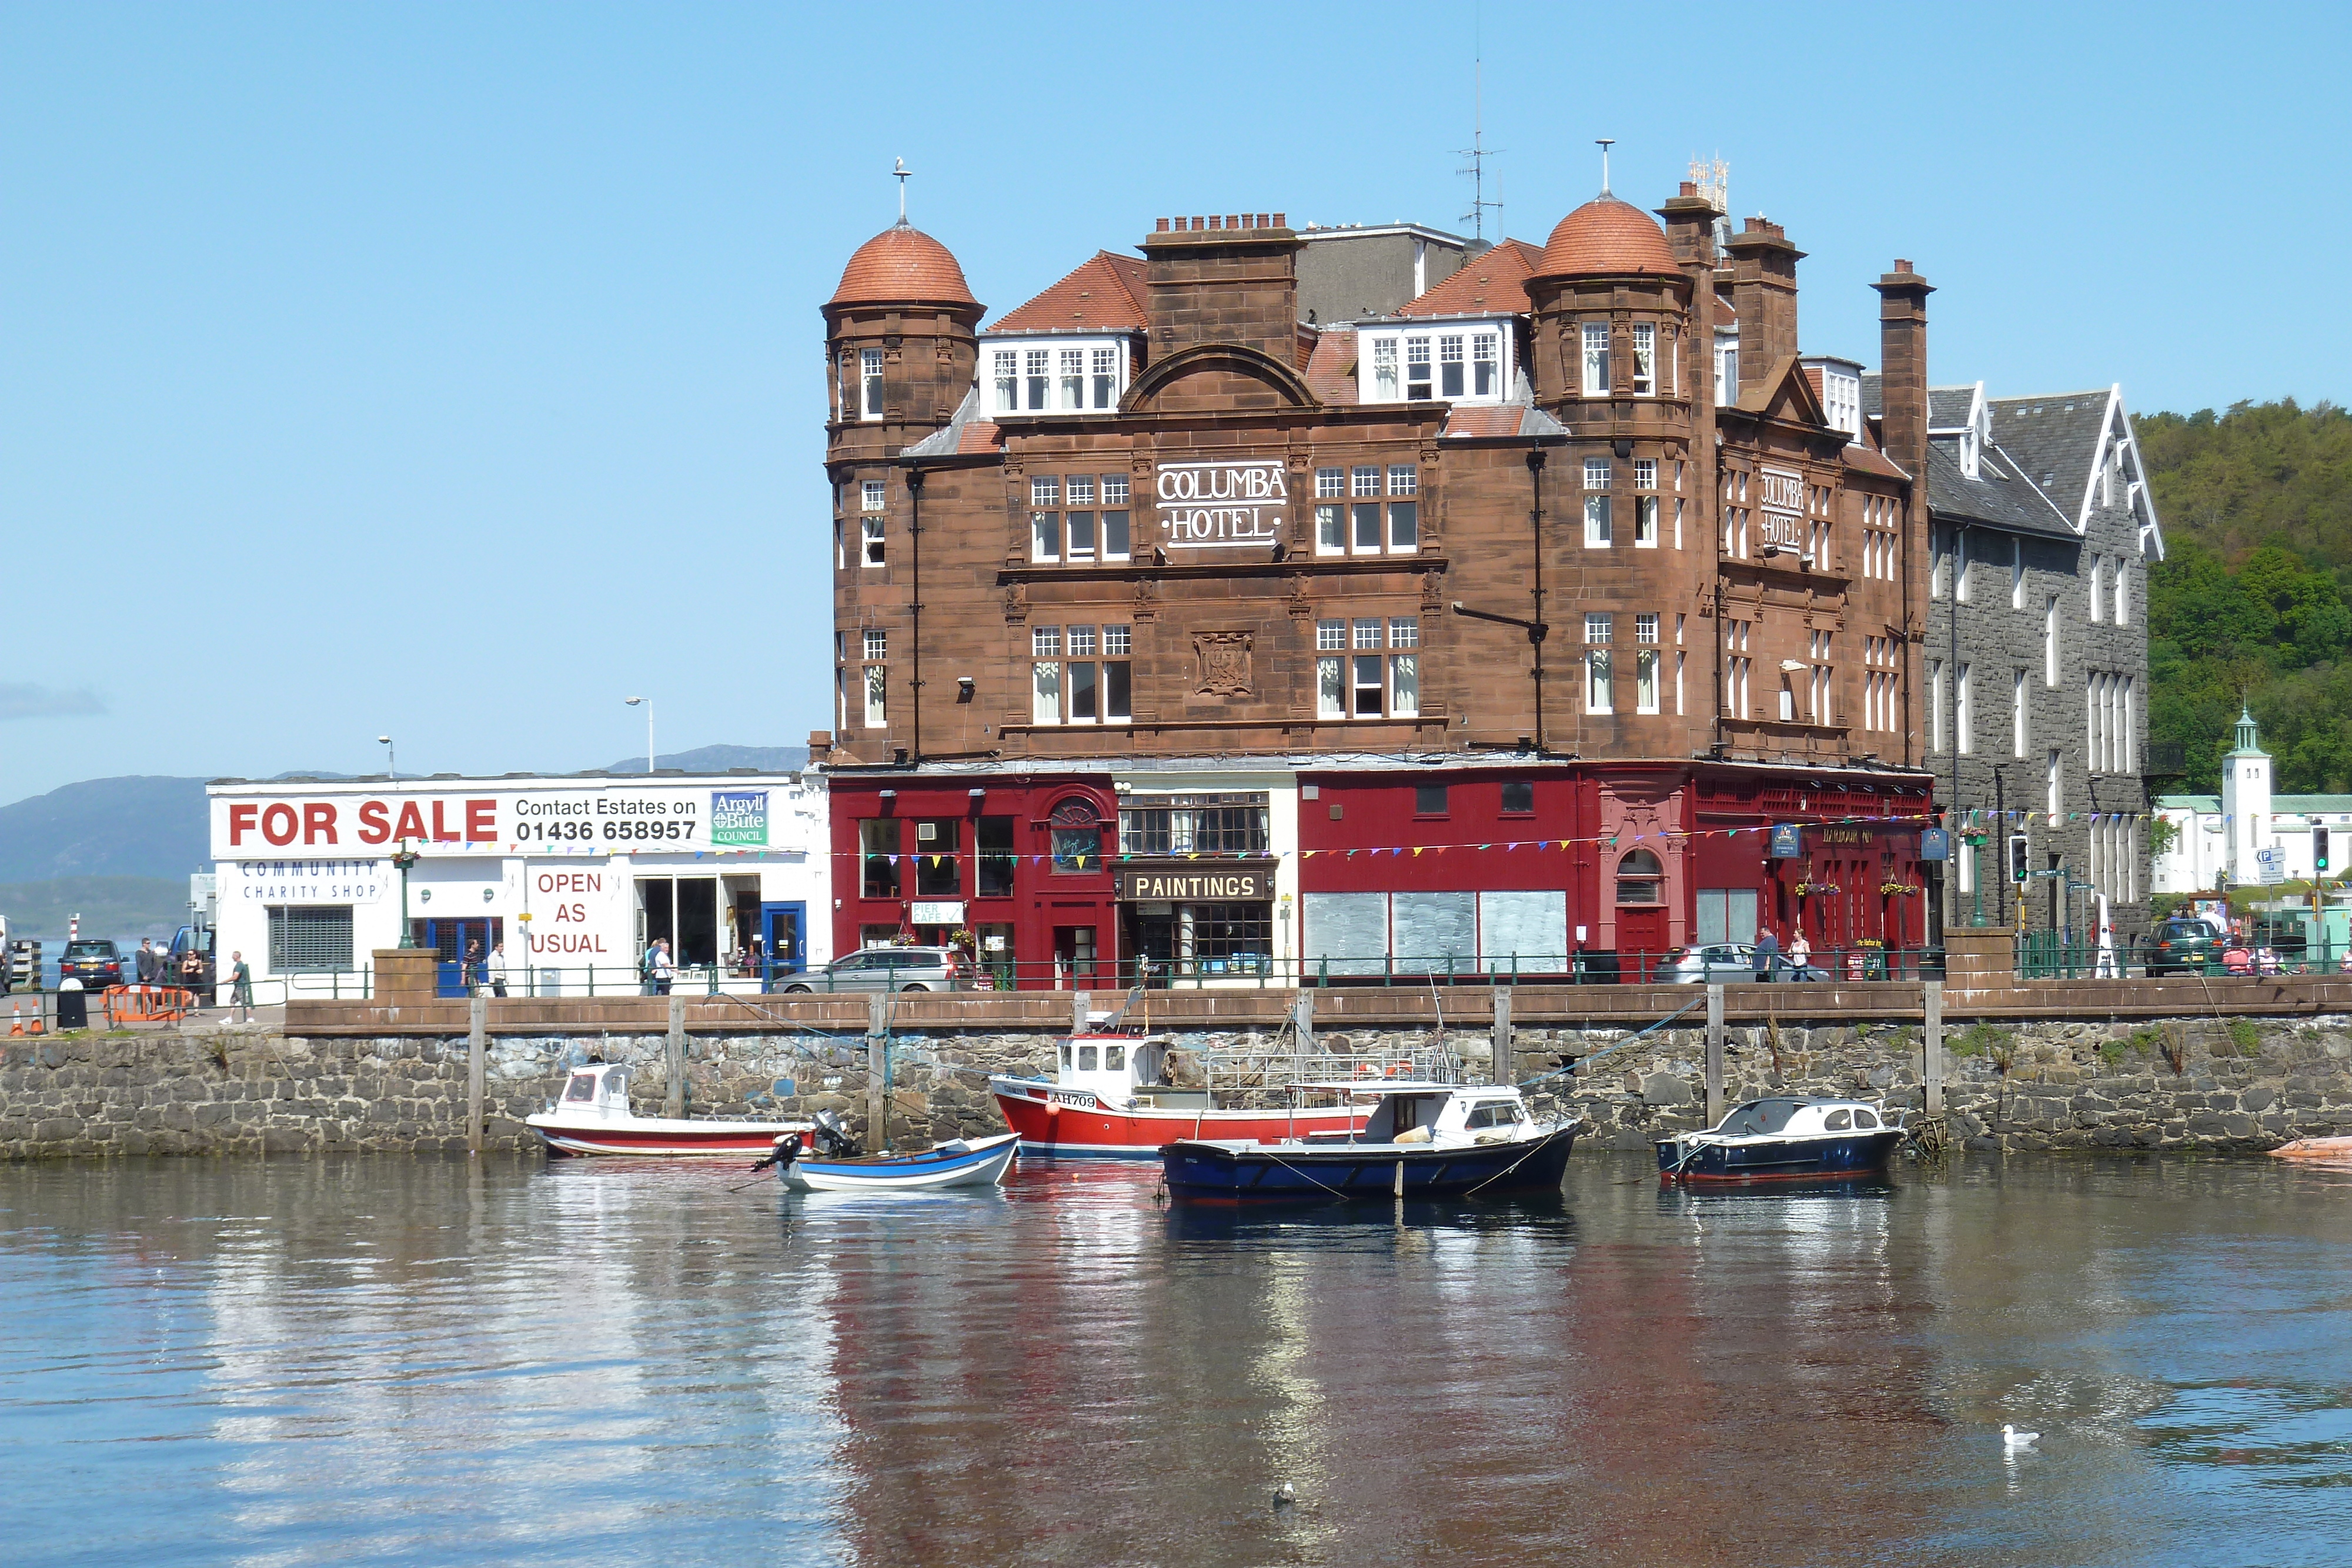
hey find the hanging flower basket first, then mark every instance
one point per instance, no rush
(1895, 888)
(1805, 887)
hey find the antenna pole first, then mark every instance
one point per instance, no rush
(1605, 144)
(901, 173)
(1478, 152)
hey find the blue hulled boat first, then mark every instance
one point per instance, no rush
(1421, 1141)
(1784, 1138)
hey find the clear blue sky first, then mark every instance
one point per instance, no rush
(454, 372)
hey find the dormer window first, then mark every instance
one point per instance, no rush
(1457, 364)
(1058, 376)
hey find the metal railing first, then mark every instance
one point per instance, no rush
(2058, 956)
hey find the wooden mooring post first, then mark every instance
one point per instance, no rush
(673, 1063)
(477, 1054)
(877, 1069)
(1714, 1054)
(1503, 1072)
(1931, 1047)
(1302, 1021)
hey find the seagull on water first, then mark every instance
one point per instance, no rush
(1285, 1495)
(2013, 1441)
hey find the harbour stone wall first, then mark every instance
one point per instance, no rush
(2170, 1083)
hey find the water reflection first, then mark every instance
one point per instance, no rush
(402, 1360)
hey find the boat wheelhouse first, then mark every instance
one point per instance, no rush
(593, 1117)
(1785, 1137)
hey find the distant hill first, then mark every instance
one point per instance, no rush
(719, 759)
(108, 905)
(154, 826)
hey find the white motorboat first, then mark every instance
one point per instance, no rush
(593, 1118)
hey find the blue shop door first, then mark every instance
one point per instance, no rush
(452, 941)
(783, 942)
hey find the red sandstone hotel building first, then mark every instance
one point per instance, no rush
(1178, 614)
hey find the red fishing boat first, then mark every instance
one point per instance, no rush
(1110, 1099)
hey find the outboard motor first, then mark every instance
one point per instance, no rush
(787, 1150)
(831, 1139)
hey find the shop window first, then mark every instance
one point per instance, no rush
(1077, 836)
(1230, 824)
(878, 846)
(996, 858)
(1519, 796)
(938, 872)
(684, 911)
(309, 938)
(1429, 799)
(1640, 878)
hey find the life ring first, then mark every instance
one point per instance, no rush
(1367, 1069)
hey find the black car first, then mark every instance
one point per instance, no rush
(2184, 945)
(97, 964)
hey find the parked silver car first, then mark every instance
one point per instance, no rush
(888, 969)
(1723, 963)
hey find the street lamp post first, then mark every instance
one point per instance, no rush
(650, 728)
(404, 857)
(391, 757)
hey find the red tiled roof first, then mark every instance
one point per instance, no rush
(1104, 293)
(1489, 418)
(902, 264)
(1493, 283)
(1813, 378)
(978, 436)
(1331, 368)
(1607, 236)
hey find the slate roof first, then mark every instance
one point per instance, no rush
(2054, 439)
(1493, 283)
(2209, 804)
(1519, 417)
(1103, 293)
(963, 435)
(1948, 407)
(1998, 496)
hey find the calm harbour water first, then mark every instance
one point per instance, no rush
(386, 1360)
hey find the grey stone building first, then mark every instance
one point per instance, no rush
(2034, 664)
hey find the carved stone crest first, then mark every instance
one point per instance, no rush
(1225, 662)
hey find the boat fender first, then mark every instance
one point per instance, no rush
(1053, 1109)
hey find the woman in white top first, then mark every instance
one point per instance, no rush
(1801, 956)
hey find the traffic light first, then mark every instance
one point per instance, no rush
(2319, 850)
(2016, 857)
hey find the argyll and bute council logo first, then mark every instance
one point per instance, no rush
(738, 817)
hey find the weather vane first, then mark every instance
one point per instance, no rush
(901, 173)
(1604, 142)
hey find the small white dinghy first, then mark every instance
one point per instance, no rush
(837, 1166)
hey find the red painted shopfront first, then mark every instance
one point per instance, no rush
(1019, 862)
(1516, 871)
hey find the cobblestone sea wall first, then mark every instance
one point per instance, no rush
(2204, 1083)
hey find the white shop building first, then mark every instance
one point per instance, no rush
(572, 874)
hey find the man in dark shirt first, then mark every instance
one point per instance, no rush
(1767, 955)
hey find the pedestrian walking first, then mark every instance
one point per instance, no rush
(473, 965)
(496, 969)
(663, 973)
(240, 986)
(1768, 956)
(1801, 957)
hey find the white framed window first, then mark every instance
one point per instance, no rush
(1727, 367)
(1964, 718)
(1961, 565)
(1646, 473)
(1646, 663)
(1678, 682)
(1004, 380)
(2123, 603)
(2099, 588)
(1368, 668)
(1404, 509)
(1599, 687)
(2050, 641)
(1035, 365)
(1106, 374)
(1331, 483)
(1645, 522)
(1081, 688)
(1072, 363)
(876, 644)
(1646, 360)
(877, 696)
(1465, 363)
(1597, 529)
(1063, 375)
(1364, 479)
(869, 376)
(1934, 705)
(2020, 733)
(870, 540)
(871, 496)
(2057, 801)
(1596, 359)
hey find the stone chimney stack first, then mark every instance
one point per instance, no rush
(1903, 368)
(1224, 278)
(1764, 293)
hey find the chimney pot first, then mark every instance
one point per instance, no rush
(1901, 264)
(1279, 220)
(1163, 226)
(1690, 188)
(1232, 220)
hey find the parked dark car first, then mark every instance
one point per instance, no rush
(2182, 945)
(95, 962)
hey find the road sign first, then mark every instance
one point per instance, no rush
(2270, 865)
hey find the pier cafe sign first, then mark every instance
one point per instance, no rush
(1208, 506)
